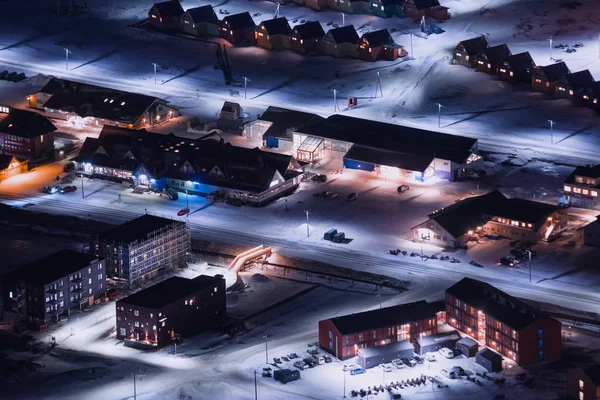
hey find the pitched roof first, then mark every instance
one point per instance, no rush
(53, 267)
(392, 137)
(137, 229)
(25, 124)
(580, 79)
(344, 34)
(239, 21)
(593, 88)
(284, 119)
(409, 162)
(386, 349)
(171, 8)
(309, 30)
(392, 2)
(520, 62)
(277, 26)
(495, 303)
(99, 102)
(170, 290)
(378, 38)
(5, 160)
(389, 316)
(474, 46)
(593, 372)
(441, 337)
(202, 14)
(423, 4)
(554, 72)
(585, 171)
(496, 54)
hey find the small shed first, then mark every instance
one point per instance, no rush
(467, 346)
(489, 360)
(330, 234)
(431, 343)
(370, 357)
(286, 375)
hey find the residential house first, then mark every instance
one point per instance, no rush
(518, 68)
(341, 42)
(344, 336)
(505, 324)
(143, 248)
(200, 21)
(489, 59)
(86, 105)
(347, 6)
(166, 15)
(571, 86)
(417, 9)
(273, 34)
(465, 52)
(53, 286)
(318, 4)
(164, 313)
(590, 97)
(490, 214)
(591, 233)
(385, 8)
(583, 383)
(27, 135)
(545, 79)
(238, 28)
(386, 150)
(11, 166)
(582, 186)
(306, 38)
(379, 45)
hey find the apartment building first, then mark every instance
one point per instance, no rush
(581, 188)
(503, 323)
(344, 336)
(53, 286)
(143, 248)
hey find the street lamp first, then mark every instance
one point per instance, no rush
(550, 47)
(155, 65)
(344, 383)
(529, 253)
(379, 295)
(412, 55)
(246, 80)
(307, 224)
(255, 387)
(551, 131)
(134, 388)
(439, 114)
(67, 58)
(266, 350)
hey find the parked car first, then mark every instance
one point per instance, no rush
(331, 195)
(300, 365)
(417, 358)
(328, 359)
(319, 178)
(403, 188)
(348, 367)
(310, 362)
(429, 357)
(522, 254)
(446, 352)
(398, 363)
(458, 370)
(448, 374)
(277, 360)
(508, 262)
(68, 189)
(352, 197)
(409, 362)
(294, 355)
(183, 211)
(357, 371)
(318, 360)
(284, 358)
(3, 75)
(51, 189)
(387, 367)
(314, 352)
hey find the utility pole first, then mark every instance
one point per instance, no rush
(551, 131)
(134, 389)
(598, 46)
(266, 350)
(378, 87)
(82, 195)
(155, 65)
(412, 54)
(175, 348)
(336, 108)
(255, 387)
(187, 200)
(529, 253)
(344, 384)
(67, 58)
(439, 114)
(550, 47)
(246, 87)
(307, 224)
(276, 12)
(343, 19)
(379, 295)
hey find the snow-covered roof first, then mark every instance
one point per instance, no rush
(495, 54)
(385, 349)
(239, 21)
(521, 62)
(442, 337)
(284, 119)
(474, 46)
(553, 72)
(409, 162)
(53, 267)
(277, 26)
(378, 38)
(309, 30)
(137, 229)
(579, 80)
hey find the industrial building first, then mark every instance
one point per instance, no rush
(386, 150)
(86, 105)
(344, 336)
(502, 322)
(490, 214)
(143, 248)
(370, 357)
(53, 286)
(174, 308)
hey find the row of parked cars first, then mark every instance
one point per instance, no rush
(312, 360)
(57, 189)
(12, 76)
(516, 256)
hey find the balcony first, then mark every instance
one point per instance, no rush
(52, 290)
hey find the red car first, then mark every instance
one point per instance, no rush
(183, 211)
(68, 189)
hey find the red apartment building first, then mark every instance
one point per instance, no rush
(26, 134)
(584, 383)
(503, 323)
(343, 336)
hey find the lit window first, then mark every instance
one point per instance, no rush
(480, 62)
(502, 70)
(576, 190)
(186, 302)
(585, 191)
(547, 84)
(216, 289)
(585, 96)
(580, 385)
(594, 193)
(163, 323)
(122, 103)
(153, 327)
(151, 315)
(595, 101)
(467, 58)
(511, 73)
(136, 313)
(489, 65)
(567, 188)
(538, 81)
(562, 89)
(137, 324)
(105, 100)
(458, 55)
(529, 226)
(571, 92)
(153, 16)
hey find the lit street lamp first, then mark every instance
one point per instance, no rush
(266, 350)
(155, 65)
(550, 47)
(551, 131)
(529, 254)
(307, 224)
(67, 58)
(439, 114)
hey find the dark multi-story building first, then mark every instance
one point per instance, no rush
(53, 286)
(503, 323)
(26, 134)
(584, 383)
(343, 336)
(582, 186)
(143, 248)
(175, 307)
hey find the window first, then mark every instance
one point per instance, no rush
(480, 62)
(330, 335)
(100, 276)
(458, 55)
(467, 58)
(576, 190)
(137, 324)
(594, 193)
(538, 80)
(89, 281)
(511, 73)
(571, 92)
(581, 396)
(567, 188)
(60, 294)
(584, 96)
(186, 302)
(585, 191)
(163, 323)
(90, 290)
(562, 89)
(502, 70)
(89, 271)
(580, 385)
(216, 289)
(153, 327)
(547, 84)
(122, 331)
(62, 303)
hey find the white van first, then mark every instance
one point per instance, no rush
(446, 352)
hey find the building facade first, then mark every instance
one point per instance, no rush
(174, 308)
(238, 28)
(143, 248)
(503, 323)
(545, 79)
(465, 52)
(49, 288)
(273, 34)
(583, 383)
(517, 68)
(26, 134)
(11, 166)
(166, 15)
(581, 188)
(344, 336)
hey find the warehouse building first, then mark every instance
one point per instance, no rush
(370, 357)
(504, 323)
(433, 343)
(386, 150)
(143, 248)
(174, 308)
(344, 336)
